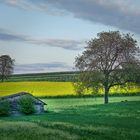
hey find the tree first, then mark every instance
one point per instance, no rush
(6, 66)
(108, 61)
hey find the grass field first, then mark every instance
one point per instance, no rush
(51, 88)
(78, 119)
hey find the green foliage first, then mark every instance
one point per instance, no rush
(79, 88)
(26, 105)
(4, 107)
(89, 81)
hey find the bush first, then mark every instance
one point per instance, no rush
(26, 105)
(4, 108)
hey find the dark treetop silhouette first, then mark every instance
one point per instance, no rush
(6, 66)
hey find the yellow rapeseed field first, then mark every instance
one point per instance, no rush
(51, 88)
(37, 88)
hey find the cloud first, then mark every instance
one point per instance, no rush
(24, 4)
(60, 43)
(42, 67)
(120, 14)
(123, 14)
(8, 36)
(34, 5)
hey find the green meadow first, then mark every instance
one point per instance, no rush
(78, 119)
(85, 118)
(45, 88)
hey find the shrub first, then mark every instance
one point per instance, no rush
(4, 107)
(26, 105)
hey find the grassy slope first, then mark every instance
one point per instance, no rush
(48, 88)
(78, 119)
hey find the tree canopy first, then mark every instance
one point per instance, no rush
(6, 66)
(110, 59)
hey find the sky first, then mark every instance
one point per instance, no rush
(47, 35)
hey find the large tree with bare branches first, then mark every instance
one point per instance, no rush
(110, 59)
(6, 66)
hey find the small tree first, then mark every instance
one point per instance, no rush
(6, 66)
(26, 105)
(108, 61)
(4, 107)
(79, 88)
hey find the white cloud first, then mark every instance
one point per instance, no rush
(121, 14)
(34, 5)
(60, 43)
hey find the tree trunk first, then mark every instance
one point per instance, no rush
(106, 95)
(2, 78)
(106, 87)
